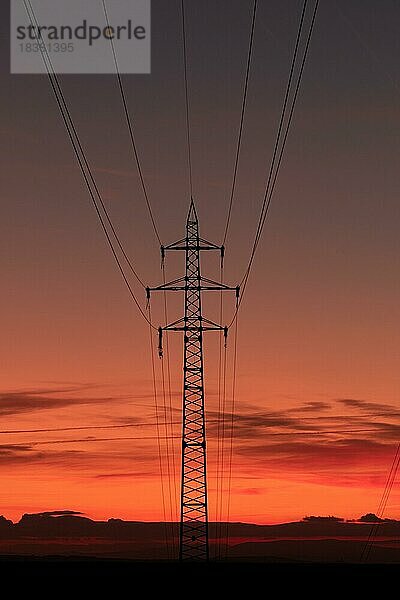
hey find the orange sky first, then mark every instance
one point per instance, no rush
(281, 469)
(319, 330)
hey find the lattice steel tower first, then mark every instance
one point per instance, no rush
(193, 537)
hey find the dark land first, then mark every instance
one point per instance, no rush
(67, 542)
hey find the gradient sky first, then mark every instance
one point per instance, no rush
(319, 330)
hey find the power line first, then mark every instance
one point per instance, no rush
(326, 432)
(82, 161)
(353, 416)
(232, 424)
(265, 205)
(82, 428)
(78, 143)
(239, 141)
(170, 407)
(24, 444)
(233, 416)
(222, 400)
(219, 418)
(186, 99)
(221, 454)
(131, 134)
(287, 127)
(156, 409)
(270, 433)
(79, 440)
(170, 473)
(275, 166)
(390, 482)
(391, 478)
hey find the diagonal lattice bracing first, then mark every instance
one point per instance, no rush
(193, 542)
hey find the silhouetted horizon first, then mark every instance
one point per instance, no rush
(367, 518)
(317, 539)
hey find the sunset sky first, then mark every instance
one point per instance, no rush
(318, 379)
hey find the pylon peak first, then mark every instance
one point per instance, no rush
(192, 214)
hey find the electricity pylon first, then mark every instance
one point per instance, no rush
(193, 536)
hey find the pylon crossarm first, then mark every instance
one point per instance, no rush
(174, 244)
(210, 286)
(183, 245)
(167, 286)
(180, 325)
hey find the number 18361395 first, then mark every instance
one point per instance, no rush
(50, 47)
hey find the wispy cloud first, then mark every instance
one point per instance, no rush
(8, 449)
(12, 455)
(256, 423)
(363, 405)
(311, 407)
(87, 460)
(27, 401)
(315, 442)
(335, 449)
(58, 513)
(250, 491)
(56, 388)
(65, 447)
(253, 423)
(338, 462)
